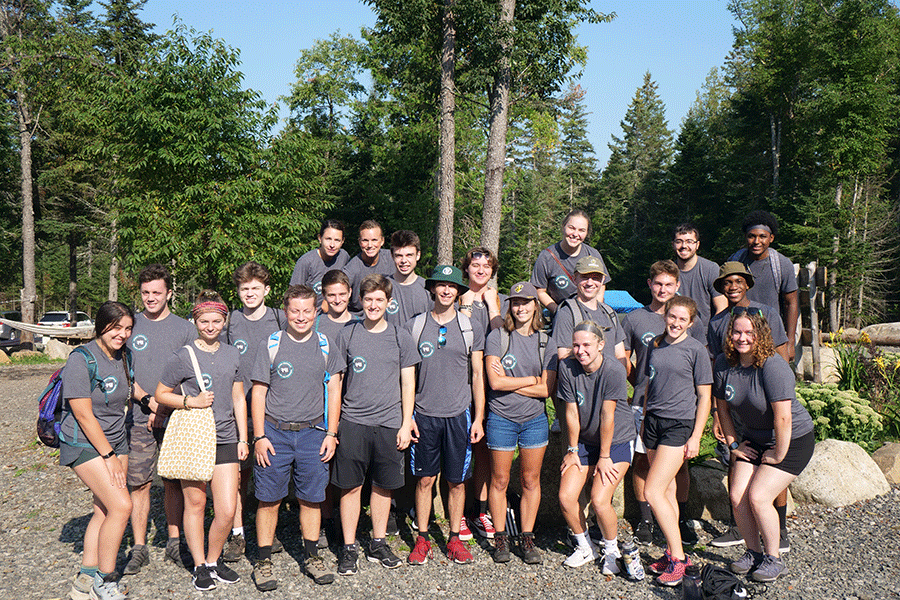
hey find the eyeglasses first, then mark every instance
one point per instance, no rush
(686, 242)
(442, 336)
(749, 310)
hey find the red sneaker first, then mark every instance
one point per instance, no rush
(674, 573)
(659, 566)
(457, 552)
(421, 553)
(465, 533)
(484, 526)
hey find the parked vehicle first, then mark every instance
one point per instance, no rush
(60, 318)
(7, 332)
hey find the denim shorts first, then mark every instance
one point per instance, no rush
(503, 434)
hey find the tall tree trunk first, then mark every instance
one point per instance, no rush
(73, 276)
(29, 290)
(499, 120)
(447, 176)
(775, 126)
(833, 308)
(114, 262)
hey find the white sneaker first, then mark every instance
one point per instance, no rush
(581, 556)
(610, 564)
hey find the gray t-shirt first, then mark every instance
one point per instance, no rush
(442, 388)
(152, 344)
(675, 371)
(371, 364)
(109, 400)
(407, 301)
(310, 268)
(295, 378)
(590, 390)
(549, 275)
(246, 336)
(604, 316)
(331, 329)
(640, 327)
(481, 318)
(751, 391)
(357, 270)
(521, 359)
(220, 371)
(718, 328)
(765, 289)
(697, 284)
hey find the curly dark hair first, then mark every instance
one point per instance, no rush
(760, 217)
(764, 348)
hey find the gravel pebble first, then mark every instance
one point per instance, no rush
(44, 510)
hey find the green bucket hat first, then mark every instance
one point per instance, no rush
(730, 268)
(447, 274)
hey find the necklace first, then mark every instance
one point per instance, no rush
(211, 348)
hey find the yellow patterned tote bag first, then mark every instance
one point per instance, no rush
(189, 446)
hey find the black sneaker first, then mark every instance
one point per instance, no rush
(392, 528)
(501, 548)
(203, 580)
(224, 573)
(688, 535)
(382, 554)
(732, 537)
(347, 562)
(173, 553)
(644, 532)
(140, 557)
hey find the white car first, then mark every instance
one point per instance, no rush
(60, 318)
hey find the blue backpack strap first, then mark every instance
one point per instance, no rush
(272, 346)
(325, 348)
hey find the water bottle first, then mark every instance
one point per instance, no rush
(632, 560)
(690, 584)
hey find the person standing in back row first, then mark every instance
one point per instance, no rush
(697, 277)
(329, 255)
(372, 259)
(776, 283)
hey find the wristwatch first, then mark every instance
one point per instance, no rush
(260, 437)
(572, 449)
(733, 445)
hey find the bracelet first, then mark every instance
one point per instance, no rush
(109, 455)
(243, 442)
(331, 434)
(602, 457)
(465, 306)
(185, 402)
(260, 437)
(572, 449)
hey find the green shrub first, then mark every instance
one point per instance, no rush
(841, 414)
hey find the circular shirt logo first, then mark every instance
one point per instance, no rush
(317, 287)
(284, 369)
(509, 361)
(392, 307)
(139, 342)
(447, 270)
(207, 381)
(359, 364)
(652, 372)
(426, 349)
(241, 345)
(729, 393)
(562, 282)
(579, 397)
(647, 338)
(110, 384)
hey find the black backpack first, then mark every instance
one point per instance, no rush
(721, 584)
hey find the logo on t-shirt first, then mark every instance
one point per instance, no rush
(509, 361)
(207, 381)
(241, 345)
(561, 282)
(393, 306)
(359, 364)
(647, 338)
(317, 287)
(652, 372)
(729, 393)
(579, 397)
(426, 349)
(139, 342)
(284, 369)
(110, 384)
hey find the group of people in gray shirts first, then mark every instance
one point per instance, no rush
(370, 378)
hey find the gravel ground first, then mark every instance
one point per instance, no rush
(836, 554)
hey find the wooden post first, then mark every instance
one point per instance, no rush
(814, 323)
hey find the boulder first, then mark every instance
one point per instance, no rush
(708, 498)
(827, 360)
(26, 353)
(4, 359)
(888, 460)
(840, 473)
(56, 349)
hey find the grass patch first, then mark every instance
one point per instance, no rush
(34, 359)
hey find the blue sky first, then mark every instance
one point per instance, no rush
(678, 41)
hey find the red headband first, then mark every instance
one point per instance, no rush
(205, 307)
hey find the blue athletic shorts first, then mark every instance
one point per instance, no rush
(443, 437)
(619, 453)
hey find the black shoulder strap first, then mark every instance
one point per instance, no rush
(277, 318)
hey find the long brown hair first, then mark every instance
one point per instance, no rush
(537, 318)
(764, 348)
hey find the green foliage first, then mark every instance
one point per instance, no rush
(841, 414)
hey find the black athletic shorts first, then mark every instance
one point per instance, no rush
(798, 455)
(366, 449)
(666, 432)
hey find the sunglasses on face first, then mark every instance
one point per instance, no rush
(442, 336)
(749, 310)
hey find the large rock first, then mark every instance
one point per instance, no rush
(56, 349)
(888, 460)
(708, 498)
(4, 359)
(826, 359)
(840, 473)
